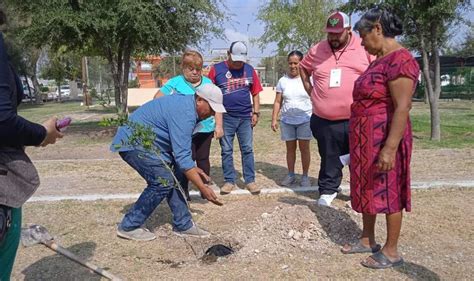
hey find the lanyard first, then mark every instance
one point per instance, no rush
(340, 55)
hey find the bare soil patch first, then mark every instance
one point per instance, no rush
(437, 240)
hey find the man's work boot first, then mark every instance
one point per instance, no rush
(253, 188)
(227, 188)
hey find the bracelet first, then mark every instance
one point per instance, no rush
(257, 113)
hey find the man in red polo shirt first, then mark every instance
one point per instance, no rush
(334, 64)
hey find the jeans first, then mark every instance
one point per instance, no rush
(243, 128)
(333, 141)
(201, 147)
(160, 185)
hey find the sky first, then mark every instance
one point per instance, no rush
(243, 24)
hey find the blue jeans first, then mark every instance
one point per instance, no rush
(160, 185)
(243, 128)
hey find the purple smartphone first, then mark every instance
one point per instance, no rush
(63, 123)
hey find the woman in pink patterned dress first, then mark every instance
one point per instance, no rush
(380, 136)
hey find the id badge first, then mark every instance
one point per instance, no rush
(335, 78)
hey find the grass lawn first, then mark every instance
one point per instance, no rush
(39, 113)
(457, 123)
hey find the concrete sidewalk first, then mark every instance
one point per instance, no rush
(195, 194)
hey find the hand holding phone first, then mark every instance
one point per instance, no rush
(62, 124)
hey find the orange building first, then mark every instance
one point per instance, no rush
(145, 72)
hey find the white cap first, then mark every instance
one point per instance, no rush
(213, 95)
(238, 51)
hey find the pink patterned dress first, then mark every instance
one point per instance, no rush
(374, 192)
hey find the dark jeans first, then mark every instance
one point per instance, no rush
(201, 147)
(333, 141)
(160, 185)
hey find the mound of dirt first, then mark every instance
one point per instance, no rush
(307, 227)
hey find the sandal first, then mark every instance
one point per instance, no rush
(358, 248)
(381, 261)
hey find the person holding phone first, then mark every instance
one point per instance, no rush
(18, 176)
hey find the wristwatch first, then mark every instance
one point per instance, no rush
(257, 113)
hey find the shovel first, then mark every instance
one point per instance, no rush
(37, 234)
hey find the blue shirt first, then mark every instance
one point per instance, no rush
(238, 86)
(178, 84)
(172, 119)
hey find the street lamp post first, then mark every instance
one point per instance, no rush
(248, 41)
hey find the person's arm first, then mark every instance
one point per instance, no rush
(219, 130)
(256, 110)
(305, 77)
(255, 91)
(276, 110)
(16, 131)
(158, 94)
(401, 90)
(166, 89)
(195, 175)
(180, 132)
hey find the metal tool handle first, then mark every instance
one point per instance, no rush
(55, 247)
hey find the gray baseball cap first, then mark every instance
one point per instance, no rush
(238, 51)
(213, 95)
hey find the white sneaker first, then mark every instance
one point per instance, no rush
(326, 199)
(305, 182)
(288, 180)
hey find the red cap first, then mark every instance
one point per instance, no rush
(337, 22)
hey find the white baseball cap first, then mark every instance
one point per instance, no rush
(213, 95)
(238, 51)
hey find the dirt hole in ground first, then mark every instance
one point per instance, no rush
(216, 251)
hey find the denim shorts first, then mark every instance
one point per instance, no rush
(291, 132)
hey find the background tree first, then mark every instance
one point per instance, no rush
(168, 67)
(294, 25)
(61, 66)
(275, 67)
(426, 25)
(119, 29)
(466, 47)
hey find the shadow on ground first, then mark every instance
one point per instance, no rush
(218, 177)
(277, 172)
(417, 272)
(58, 267)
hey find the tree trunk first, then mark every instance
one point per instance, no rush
(119, 66)
(426, 97)
(36, 86)
(435, 116)
(85, 82)
(125, 73)
(34, 78)
(432, 97)
(59, 91)
(30, 95)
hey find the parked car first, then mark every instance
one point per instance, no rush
(29, 93)
(65, 91)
